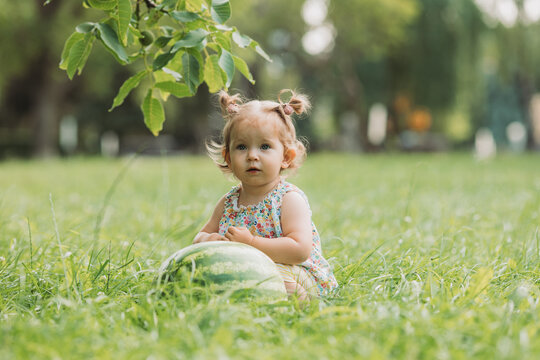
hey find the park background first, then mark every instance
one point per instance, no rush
(405, 75)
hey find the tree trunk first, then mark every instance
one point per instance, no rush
(46, 116)
(354, 100)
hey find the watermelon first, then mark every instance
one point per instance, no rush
(223, 266)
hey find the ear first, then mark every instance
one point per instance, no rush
(288, 157)
(226, 156)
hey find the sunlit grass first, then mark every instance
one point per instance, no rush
(437, 257)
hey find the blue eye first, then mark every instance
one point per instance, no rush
(241, 147)
(265, 146)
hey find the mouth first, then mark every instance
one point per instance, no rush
(253, 170)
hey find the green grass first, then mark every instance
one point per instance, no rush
(437, 257)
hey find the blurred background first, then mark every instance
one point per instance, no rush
(383, 75)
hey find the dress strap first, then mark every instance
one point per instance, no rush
(231, 195)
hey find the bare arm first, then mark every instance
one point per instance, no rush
(209, 232)
(295, 245)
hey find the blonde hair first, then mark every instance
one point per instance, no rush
(234, 110)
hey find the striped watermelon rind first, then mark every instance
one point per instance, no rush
(225, 267)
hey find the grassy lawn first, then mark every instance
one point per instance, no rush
(437, 257)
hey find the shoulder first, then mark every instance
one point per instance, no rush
(289, 188)
(295, 214)
(213, 223)
(294, 201)
(220, 206)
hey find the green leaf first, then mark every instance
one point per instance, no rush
(153, 112)
(175, 74)
(222, 40)
(255, 45)
(162, 41)
(245, 41)
(199, 57)
(134, 31)
(124, 17)
(175, 67)
(162, 60)
(241, 40)
(110, 40)
(102, 4)
(226, 28)
(194, 5)
(90, 43)
(184, 16)
(73, 38)
(153, 17)
(126, 88)
(78, 54)
(164, 75)
(168, 4)
(167, 30)
(243, 68)
(197, 24)
(226, 63)
(85, 27)
(179, 90)
(192, 39)
(213, 74)
(192, 72)
(220, 10)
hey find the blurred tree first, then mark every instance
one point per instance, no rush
(368, 33)
(512, 55)
(440, 67)
(364, 30)
(30, 92)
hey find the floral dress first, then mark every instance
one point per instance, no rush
(264, 220)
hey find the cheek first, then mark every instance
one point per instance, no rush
(235, 158)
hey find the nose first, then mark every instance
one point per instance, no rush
(253, 154)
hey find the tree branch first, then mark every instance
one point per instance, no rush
(150, 3)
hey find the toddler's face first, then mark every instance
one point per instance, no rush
(257, 155)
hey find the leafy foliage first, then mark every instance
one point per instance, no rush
(182, 44)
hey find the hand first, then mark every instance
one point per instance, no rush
(204, 237)
(239, 234)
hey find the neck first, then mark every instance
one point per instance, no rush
(251, 195)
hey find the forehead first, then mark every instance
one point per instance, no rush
(255, 128)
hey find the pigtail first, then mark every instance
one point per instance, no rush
(230, 104)
(298, 103)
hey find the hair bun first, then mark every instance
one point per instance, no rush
(298, 103)
(229, 103)
(287, 109)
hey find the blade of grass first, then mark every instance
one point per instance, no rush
(59, 245)
(30, 239)
(108, 195)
